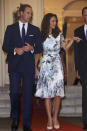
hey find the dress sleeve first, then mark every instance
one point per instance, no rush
(62, 40)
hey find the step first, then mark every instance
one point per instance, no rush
(73, 91)
(71, 102)
(4, 112)
(71, 111)
(5, 104)
(4, 89)
(4, 97)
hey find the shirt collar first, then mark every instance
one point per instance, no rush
(85, 26)
(21, 23)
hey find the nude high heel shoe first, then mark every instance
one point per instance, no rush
(56, 126)
(49, 127)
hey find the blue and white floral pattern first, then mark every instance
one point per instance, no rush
(51, 79)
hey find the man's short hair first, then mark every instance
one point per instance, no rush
(84, 9)
(23, 6)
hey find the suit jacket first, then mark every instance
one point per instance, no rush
(80, 50)
(12, 40)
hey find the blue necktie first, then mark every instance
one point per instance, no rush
(23, 34)
(86, 34)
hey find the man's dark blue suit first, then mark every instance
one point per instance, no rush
(80, 50)
(21, 67)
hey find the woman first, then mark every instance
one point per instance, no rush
(51, 80)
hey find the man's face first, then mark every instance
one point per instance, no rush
(85, 16)
(26, 15)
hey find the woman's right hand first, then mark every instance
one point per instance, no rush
(77, 75)
(77, 39)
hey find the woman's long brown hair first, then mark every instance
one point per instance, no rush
(46, 24)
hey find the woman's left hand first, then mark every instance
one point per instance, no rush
(77, 39)
(36, 72)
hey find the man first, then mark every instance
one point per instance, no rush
(81, 63)
(21, 41)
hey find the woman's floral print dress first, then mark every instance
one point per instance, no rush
(51, 78)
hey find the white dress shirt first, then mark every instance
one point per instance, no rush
(21, 25)
(85, 28)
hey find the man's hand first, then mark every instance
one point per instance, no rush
(19, 51)
(28, 47)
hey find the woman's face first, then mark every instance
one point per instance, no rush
(53, 22)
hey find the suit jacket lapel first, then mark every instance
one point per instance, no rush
(29, 29)
(83, 33)
(18, 35)
(18, 30)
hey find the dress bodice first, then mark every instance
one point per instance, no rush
(52, 45)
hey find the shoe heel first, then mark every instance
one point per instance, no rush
(49, 127)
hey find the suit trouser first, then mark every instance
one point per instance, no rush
(27, 82)
(84, 101)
